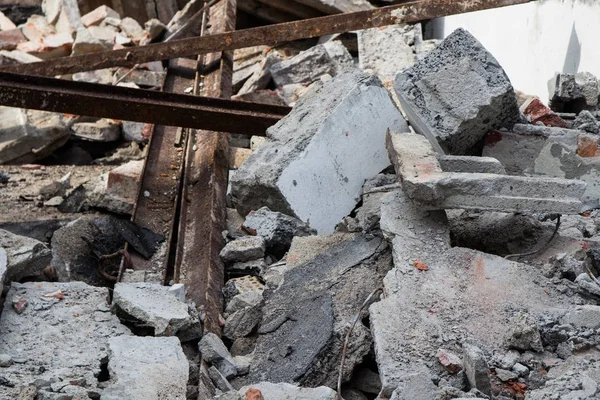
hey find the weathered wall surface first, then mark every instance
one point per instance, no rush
(534, 41)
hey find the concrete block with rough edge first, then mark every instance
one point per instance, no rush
(25, 257)
(387, 51)
(153, 305)
(427, 184)
(317, 158)
(308, 66)
(457, 94)
(146, 368)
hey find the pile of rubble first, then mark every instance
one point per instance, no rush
(412, 229)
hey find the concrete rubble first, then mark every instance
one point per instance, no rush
(415, 227)
(290, 165)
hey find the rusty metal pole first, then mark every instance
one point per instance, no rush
(412, 12)
(203, 207)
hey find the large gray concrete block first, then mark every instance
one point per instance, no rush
(146, 368)
(457, 94)
(317, 158)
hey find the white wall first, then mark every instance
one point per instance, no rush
(536, 40)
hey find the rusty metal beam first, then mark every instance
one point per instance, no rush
(411, 12)
(203, 206)
(139, 105)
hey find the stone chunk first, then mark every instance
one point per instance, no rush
(62, 334)
(525, 334)
(132, 29)
(124, 181)
(214, 352)
(427, 184)
(309, 167)
(276, 229)
(449, 360)
(329, 58)
(262, 76)
(476, 369)
(37, 28)
(96, 16)
(537, 112)
(457, 94)
(146, 368)
(574, 92)
(244, 249)
(30, 135)
(153, 305)
(103, 130)
(69, 18)
(387, 51)
(24, 256)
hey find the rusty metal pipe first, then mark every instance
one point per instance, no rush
(412, 12)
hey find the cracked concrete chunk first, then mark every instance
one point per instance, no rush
(153, 305)
(276, 228)
(26, 257)
(310, 167)
(525, 334)
(146, 368)
(63, 334)
(214, 352)
(457, 94)
(387, 51)
(417, 386)
(330, 58)
(246, 248)
(476, 369)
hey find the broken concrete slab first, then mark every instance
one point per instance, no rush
(327, 280)
(387, 51)
(464, 295)
(146, 368)
(477, 165)
(457, 94)
(309, 167)
(330, 58)
(26, 257)
(61, 335)
(583, 317)
(29, 135)
(276, 229)
(425, 182)
(153, 305)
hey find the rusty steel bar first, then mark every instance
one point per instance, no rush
(411, 12)
(105, 101)
(203, 206)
